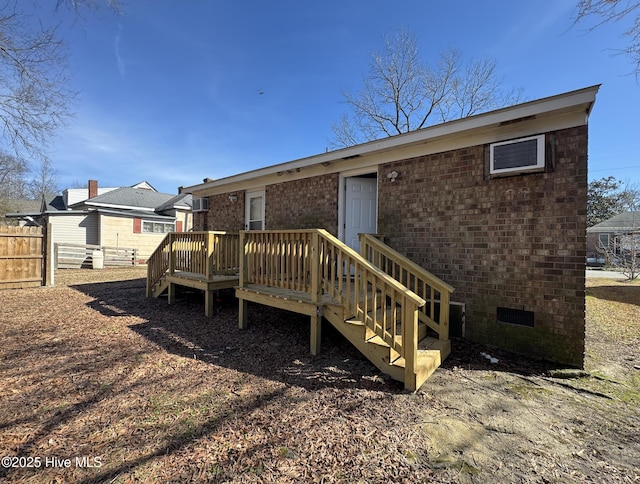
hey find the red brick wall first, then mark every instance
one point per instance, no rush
(303, 204)
(516, 242)
(200, 221)
(224, 214)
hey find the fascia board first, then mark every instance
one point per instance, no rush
(123, 207)
(577, 105)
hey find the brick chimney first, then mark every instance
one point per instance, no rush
(93, 188)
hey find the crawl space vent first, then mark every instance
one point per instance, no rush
(515, 316)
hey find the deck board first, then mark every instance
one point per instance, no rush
(199, 281)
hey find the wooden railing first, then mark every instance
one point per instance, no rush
(202, 253)
(433, 290)
(317, 263)
(158, 263)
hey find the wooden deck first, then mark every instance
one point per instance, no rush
(200, 260)
(393, 311)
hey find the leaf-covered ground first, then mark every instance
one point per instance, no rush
(100, 384)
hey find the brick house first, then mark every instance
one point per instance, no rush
(494, 204)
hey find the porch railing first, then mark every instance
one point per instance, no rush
(203, 253)
(433, 290)
(317, 263)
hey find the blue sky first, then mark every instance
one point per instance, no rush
(170, 91)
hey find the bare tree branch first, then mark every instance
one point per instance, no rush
(402, 94)
(33, 80)
(623, 251)
(608, 11)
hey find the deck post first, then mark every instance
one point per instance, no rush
(242, 313)
(172, 254)
(410, 343)
(316, 286)
(316, 332)
(242, 280)
(171, 293)
(242, 260)
(443, 334)
(209, 269)
(209, 298)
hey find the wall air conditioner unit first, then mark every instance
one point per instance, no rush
(517, 156)
(200, 204)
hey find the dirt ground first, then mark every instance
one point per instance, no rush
(100, 384)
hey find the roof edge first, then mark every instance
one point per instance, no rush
(585, 96)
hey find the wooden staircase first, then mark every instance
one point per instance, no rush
(430, 355)
(404, 332)
(392, 310)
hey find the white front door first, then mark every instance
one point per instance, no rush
(360, 209)
(254, 210)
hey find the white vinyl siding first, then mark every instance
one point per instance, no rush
(74, 229)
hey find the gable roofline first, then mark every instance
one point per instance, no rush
(145, 185)
(556, 112)
(128, 198)
(181, 201)
(627, 221)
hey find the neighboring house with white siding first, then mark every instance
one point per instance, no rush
(130, 217)
(606, 234)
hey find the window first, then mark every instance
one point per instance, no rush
(157, 227)
(519, 155)
(603, 240)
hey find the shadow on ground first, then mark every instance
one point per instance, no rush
(621, 294)
(276, 343)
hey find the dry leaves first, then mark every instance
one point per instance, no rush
(151, 392)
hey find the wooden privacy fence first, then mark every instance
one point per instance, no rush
(21, 257)
(77, 256)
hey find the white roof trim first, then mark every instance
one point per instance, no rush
(559, 104)
(112, 205)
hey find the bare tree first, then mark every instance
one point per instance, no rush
(12, 173)
(623, 251)
(44, 181)
(401, 93)
(34, 93)
(608, 11)
(12, 181)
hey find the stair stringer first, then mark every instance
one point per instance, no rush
(159, 287)
(371, 346)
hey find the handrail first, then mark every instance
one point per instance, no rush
(158, 263)
(205, 253)
(315, 262)
(414, 277)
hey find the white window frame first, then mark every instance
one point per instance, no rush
(200, 204)
(172, 224)
(540, 156)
